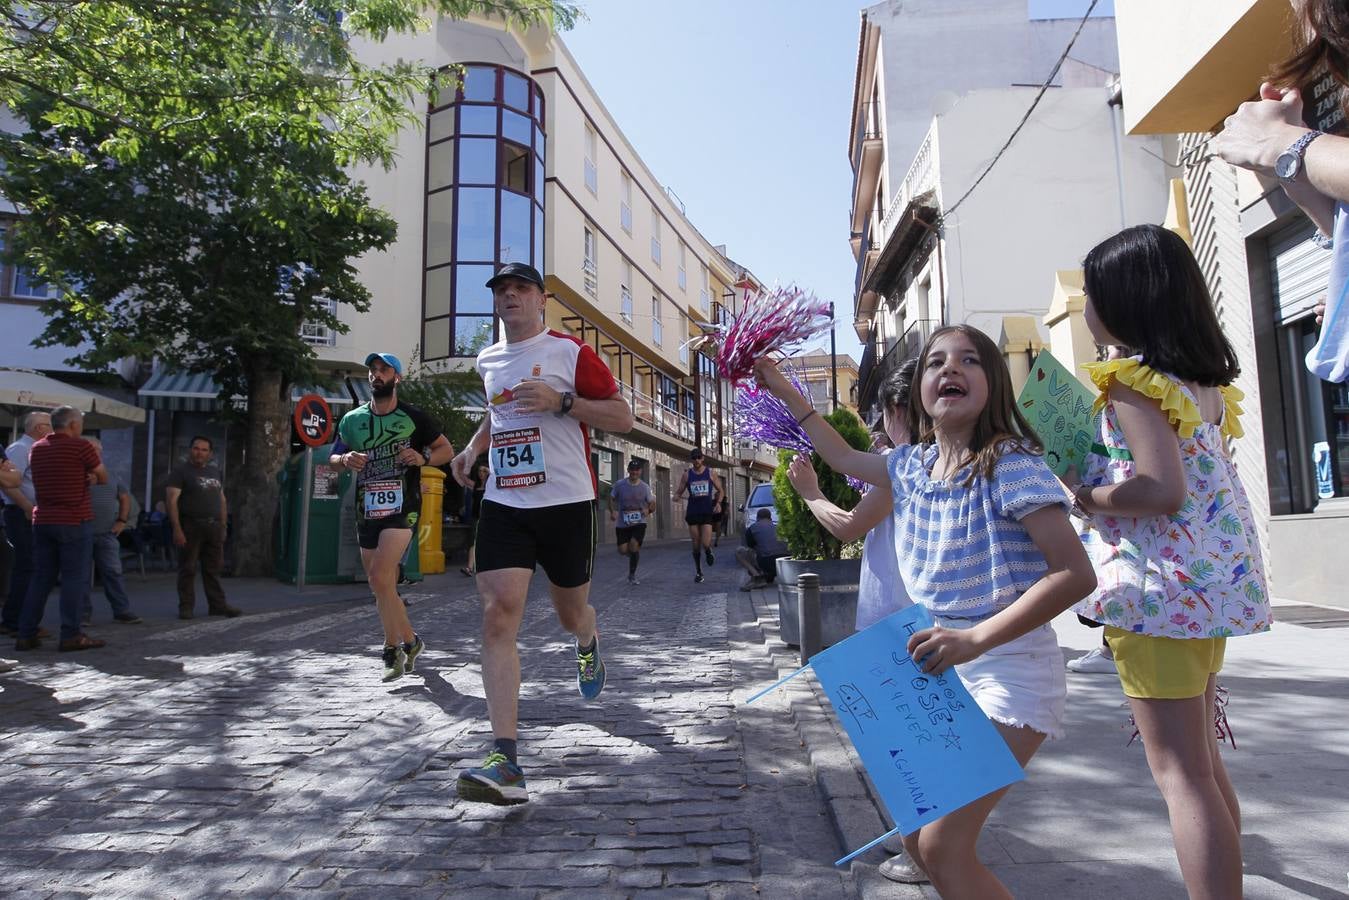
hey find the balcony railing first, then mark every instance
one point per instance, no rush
(907, 347)
(656, 415)
(921, 177)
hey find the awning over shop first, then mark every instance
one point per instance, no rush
(169, 389)
(24, 389)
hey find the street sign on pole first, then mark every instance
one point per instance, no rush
(314, 424)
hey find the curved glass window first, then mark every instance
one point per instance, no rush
(478, 120)
(485, 184)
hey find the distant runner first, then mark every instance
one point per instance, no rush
(631, 503)
(705, 495)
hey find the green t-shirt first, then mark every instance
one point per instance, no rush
(385, 486)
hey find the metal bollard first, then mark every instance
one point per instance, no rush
(808, 614)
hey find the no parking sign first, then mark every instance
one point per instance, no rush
(313, 420)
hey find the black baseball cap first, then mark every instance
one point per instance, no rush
(695, 453)
(634, 464)
(517, 270)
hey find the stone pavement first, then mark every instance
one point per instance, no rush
(262, 755)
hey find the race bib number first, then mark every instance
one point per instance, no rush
(700, 488)
(517, 458)
(632, 517)
(383, 499)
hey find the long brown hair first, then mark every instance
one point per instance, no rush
(1321, 41)
(1000, 427)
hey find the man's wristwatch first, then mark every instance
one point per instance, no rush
(1289, 163)
(568, 398)
(426, 454)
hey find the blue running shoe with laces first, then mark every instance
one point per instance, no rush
(590, 671)
(497, 780)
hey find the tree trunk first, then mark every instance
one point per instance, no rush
(254, 491)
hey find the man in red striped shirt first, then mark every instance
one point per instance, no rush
(63, 465)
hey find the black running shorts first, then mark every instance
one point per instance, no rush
(369, 530)
(709, 519)
(561, 539)
(631, 533)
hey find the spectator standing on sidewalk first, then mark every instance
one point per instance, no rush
(705, 495)
(545, 391)
(18, 515)
(111, 504)
(386, 442)
(198, 512)
(9, 479)
(630, 504)
(63, 465)
(762, 549)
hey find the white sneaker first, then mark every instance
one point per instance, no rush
(902, 869)
(8, 665)
(1094, 662)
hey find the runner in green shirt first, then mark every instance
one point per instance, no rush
(386, 443)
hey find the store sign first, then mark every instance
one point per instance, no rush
(313, 420)
(1321, 107)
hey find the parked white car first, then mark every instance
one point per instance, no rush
(759, 498)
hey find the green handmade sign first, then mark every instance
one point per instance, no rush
(1058, 407)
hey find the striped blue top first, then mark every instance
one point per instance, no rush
(962, 550)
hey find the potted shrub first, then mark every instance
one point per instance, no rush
(812, 548)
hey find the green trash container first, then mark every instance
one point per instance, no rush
(412, 563)
(333, 555)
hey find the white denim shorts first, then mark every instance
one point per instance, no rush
(1019, 683)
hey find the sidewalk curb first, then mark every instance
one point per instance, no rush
(854, 810)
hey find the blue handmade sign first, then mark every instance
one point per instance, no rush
(927, 746)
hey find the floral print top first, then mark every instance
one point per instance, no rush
(1197, 573)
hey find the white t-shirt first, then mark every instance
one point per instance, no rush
(538, 459)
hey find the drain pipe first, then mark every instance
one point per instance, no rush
(1115, 100)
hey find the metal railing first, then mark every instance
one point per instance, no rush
(906, 347)
(660, 417)
(921, 177)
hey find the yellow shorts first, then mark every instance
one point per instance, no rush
(1160, 668)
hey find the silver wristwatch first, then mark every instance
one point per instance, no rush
(1289, 163)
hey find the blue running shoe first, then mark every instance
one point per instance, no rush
(497, 780)
(590, 671)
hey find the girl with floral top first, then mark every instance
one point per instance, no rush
(1176, 551)
(983, 541)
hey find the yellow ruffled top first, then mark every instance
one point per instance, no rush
(1179, 407)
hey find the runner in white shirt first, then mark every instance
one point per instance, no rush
(544, 389)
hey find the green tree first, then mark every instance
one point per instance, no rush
(806, 538)
(185, 167)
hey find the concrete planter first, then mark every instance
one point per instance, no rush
(838, 597)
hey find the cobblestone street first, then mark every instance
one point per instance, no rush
(263, 755)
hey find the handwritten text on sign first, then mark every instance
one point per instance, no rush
(927, 746)
(1058, 407)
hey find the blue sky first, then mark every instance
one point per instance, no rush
(742, 109)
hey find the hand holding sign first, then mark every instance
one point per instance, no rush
(1059, 408)
(926, 744)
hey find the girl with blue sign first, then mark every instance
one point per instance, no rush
(1171, 531)
(983, 541)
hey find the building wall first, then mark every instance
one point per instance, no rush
(937, 50)
(1051, 197)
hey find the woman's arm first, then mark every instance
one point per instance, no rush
(835, 451)
(1260, 130)
(1069, 578)
(846, 525)
(1157, 487)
